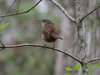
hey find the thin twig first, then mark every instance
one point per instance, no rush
(23, 12)
(7, 11)
(29, 44)
(4, 18)
(63, 10)
(93, 60)
(90, 13)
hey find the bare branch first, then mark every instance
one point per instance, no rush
(23, 12)
(89, 13)
(27, 44)
(93, 60)
(63, 10)
(7, 11)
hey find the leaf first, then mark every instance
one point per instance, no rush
(68, 74)
(68, 69)
(77, 66)
(90, 67)
(89, 73)
(98, 64)
(3, 26)
(81, 74)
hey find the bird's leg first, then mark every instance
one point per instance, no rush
(53, 46)
(44, 43)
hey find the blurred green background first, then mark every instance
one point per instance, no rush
(25, 29)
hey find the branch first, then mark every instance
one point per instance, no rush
(92, 60)
(89, 13)
(27, 44)
(7, 11)
(63, 10)
(23, 12)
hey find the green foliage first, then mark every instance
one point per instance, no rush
(68, 69)
(2, 27)
(34, 13)
(25, 6)
(68, 74)
(16, 71)
(98, 64)
(10, 56)
(90, 67)
(81, 74)
(77, 66)
(89, 73)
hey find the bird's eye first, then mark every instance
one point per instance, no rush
(46, 21)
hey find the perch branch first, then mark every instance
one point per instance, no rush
(63, 10)
(23, 12)
(27, 44)
(90, 13)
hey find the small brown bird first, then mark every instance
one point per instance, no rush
(49, 32)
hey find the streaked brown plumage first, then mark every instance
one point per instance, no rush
(50, 33)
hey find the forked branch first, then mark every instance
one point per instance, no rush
(63, 10)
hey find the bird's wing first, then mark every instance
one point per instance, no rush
(55, 34)
(46, 32)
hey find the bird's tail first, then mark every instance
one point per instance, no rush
(61, 38)
(56, 36)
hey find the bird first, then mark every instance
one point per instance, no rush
(49, 32)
